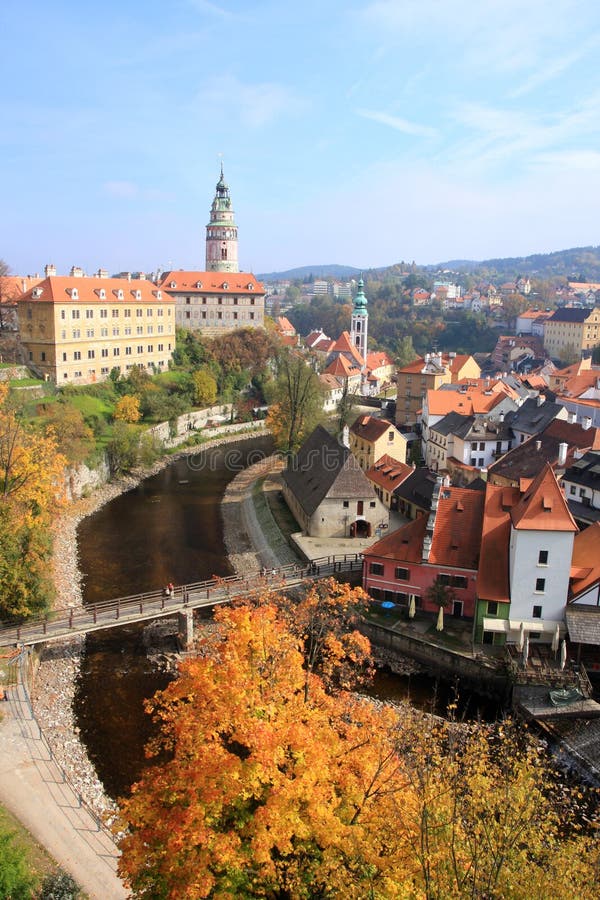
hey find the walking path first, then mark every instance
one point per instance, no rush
(36, 792)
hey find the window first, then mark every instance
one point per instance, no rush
(390, 436)
(89, 332)
(459, 581)
(63, 314)
(104, 332)
(150, 348)
(346, 504)
(572, 489)
(139, 313)
(543, 558)
(91, 354)
(474, 445)
(372, 504)
(43, 356)
(89, 313)
(537, 612)
(481, 445)
(375, 569)
(401, 574)
(74, 313)
(149, 312)
(115, 351)
(139, 329)
(492, 608)
(115, 313)
(127, 313)
(64, 357)
(77, 354)
(104, 353)
(104, 314)
(127, 351)
(140, 349)
(473, 461)
(540, 585)
(150, 329)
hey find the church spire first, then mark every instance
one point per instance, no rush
(221, 231)
(359, 325)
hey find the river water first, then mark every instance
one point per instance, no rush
(169, 528)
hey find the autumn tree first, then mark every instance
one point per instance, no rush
(127, 409)
(265, 794)
(31, 470)
(205, 388)
(275, 792)
(74, 439)
(297, 403)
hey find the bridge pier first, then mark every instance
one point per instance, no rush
(185, 629)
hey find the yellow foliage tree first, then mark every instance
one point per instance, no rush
(31, 470)
(127, 409)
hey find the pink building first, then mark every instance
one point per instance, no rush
(444, 544)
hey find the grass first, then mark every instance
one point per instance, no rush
(92, 406)
(39, 860)
(26, 382)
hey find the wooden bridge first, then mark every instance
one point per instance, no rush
(157, 604)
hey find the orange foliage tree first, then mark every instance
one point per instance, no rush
(277, 792)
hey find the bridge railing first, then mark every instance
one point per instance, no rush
(159, 602)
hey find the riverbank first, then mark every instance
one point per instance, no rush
(56, 675)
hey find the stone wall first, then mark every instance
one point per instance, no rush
(475, 672)
(16, 372)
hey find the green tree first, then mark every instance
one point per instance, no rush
(123, 449)
(205, 388)
(298, 403)
(440, 593)
(74, 438)
(59, 886)
(16, 879)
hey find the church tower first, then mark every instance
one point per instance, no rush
(360, 323)
(221, 232)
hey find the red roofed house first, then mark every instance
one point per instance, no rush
(386, 475)
(221, 298)
(443, 545)
(76, 329)
(583, 608)
(345, 371)
(371, 438)
(526, 551)
(429, 373)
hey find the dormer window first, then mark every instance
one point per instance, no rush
(159, 295)
(102, 294)
(173, 284)
(37, 292)
(120, 294)
(199, 285)
(74, 294)
(137, 295)
(225, 286)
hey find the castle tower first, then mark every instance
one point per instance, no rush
(359, 324)
(221, 232)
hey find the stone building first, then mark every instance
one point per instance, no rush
(328, 493)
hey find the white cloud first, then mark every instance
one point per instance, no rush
(204, 6)
(398, 123)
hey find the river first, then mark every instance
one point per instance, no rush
(169, 528)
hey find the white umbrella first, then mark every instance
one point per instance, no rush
(440, 619)
(563, 653)
(412, 608)
(521, 641)
(526, 651)
(556, 638)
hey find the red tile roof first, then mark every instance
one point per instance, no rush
(342, 368)
(493, 574)
(377, 359)
(388, 473)
(585, 563)
(457, 532)
(543, 506)
(212, 283)
(284, 325)
(345, 345)
(370, 429)
(67, 288)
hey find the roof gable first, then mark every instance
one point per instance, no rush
(543, 506)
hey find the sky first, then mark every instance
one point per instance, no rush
(359, 133)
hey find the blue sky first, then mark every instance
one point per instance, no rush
(359, 133)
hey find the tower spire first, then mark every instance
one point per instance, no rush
(221, 231)
(359, 325)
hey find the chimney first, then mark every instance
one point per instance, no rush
(76, 272)
(587, 423)
(571, 417)
(538, 445)
(102, 273)
(49, 270)
(435, 497)
(562, 453)
(346, 437)
(541, 399)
